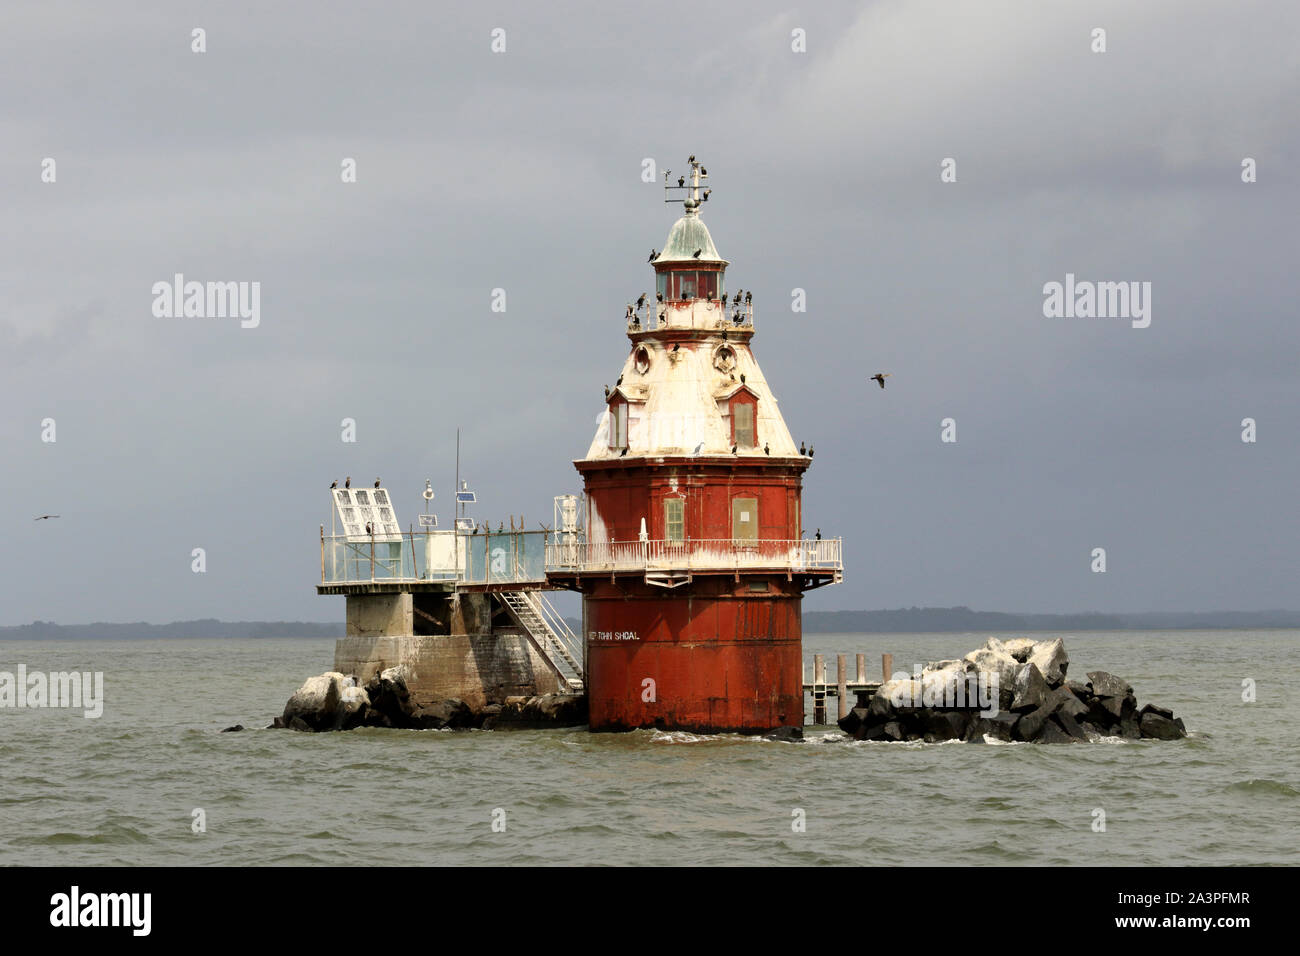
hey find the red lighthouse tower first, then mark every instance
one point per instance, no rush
(694, 562)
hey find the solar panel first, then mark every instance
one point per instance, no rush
(362, 507)
(464, 524)
(467, 497)
(428, 521)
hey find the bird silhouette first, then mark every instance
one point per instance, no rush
(653, 255)
(44, 517)
(676, 346)
(880, 377)
(724, 335)
(733, 449)
(641, 301)
(692, 159)
(736, 300)
(802, 449)
(607, 391)
(334, 484)
(705, 197)
(766, 449)
(704, 172)
(619, 382)
(696, 253)
(698, 449)
(742, 378)
(348, 482)
(819, 534)
(623, 452)
(659, 296)
(681, 180)
(810, 451)
(376, 482)
(749, 297)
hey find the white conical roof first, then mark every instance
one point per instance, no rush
(688, 234)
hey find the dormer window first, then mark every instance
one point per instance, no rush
(618, 422)
(744, 418)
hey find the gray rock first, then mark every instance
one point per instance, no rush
(1157, 710)
(1000, 727)
(854, 720)
(789, 734)
(1020, 648)
(233, 730)
(1053, 734)
(1108, 685)
(1069, 725)
(945, 724)
(1030, 688)
(1051, 660)
(316, 702)
(893, 730)
(1160, 727)
(297, 723)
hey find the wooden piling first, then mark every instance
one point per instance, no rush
(862, 668)
(841, 687)
(886, 667)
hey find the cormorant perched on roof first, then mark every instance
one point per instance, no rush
(879, 377)
(810, 451)
(607, 391)
(698, 448)
(623, 452)
(766, 449)
(653, 255)
(733, 449)
(696, 253)
(619, 382)
(376, 482)
(802, 449)
(348, 483)
(742, 378)
(334, 484)
(676, 346)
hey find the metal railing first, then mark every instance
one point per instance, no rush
(691, 314)
(696, 554)
(517, 557)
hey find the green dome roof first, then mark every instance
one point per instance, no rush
(688, 234)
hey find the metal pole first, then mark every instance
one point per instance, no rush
(372, 552)
(322, 554)
(841, 686)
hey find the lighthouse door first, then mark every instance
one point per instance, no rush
(744, 520)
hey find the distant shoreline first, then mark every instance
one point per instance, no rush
(914, 620)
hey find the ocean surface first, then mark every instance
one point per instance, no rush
(122, 789)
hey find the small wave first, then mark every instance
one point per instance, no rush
(1268, 788)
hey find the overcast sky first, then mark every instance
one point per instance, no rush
(521, 170)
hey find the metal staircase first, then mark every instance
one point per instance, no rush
(549, 632)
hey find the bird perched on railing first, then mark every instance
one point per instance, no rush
(376, 482)
(749, 298)
(348, 482)
(641, 301)
(334, 484)
(879, 377)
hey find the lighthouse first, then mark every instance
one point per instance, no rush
(692, 562)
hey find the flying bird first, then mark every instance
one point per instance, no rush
(879, 378)
(44, 517)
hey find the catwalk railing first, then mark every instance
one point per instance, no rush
(696, 554)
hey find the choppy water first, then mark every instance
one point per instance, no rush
(120, 789)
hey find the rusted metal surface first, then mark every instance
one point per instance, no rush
(714, 657)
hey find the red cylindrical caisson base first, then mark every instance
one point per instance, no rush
(711, 656)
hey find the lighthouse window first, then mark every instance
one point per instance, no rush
(707, 285)
(618, 425)
(742, 417)
(744, 519)
(675, 519)
(661, 284)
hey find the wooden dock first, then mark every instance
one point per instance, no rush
(820, 688)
